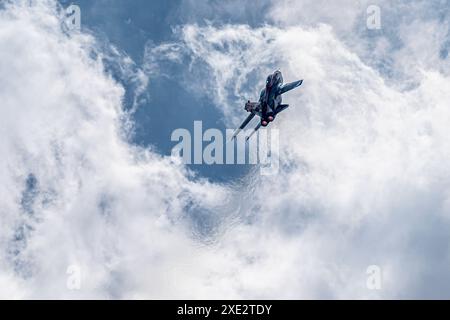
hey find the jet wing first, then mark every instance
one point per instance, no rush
(290, 86)
(281, 108)
(243, 125)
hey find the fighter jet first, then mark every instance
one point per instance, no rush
(270, 103)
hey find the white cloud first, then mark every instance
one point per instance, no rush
(412, 33)
(342, 15)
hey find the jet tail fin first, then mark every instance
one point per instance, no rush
(281, 108)
(253, 132)
(243, 125)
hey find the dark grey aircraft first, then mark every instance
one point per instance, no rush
(270, 102)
